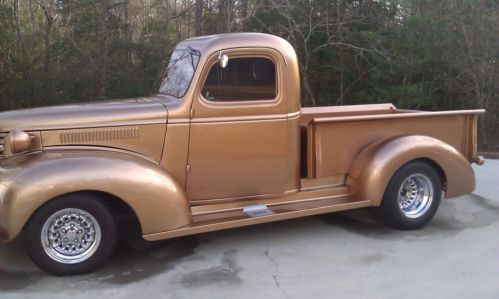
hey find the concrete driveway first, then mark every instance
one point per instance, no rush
(332, 256)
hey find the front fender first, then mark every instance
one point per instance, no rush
(29, 181)
(376, 164)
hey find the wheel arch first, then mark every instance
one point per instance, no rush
(117, 206)
(435, 166)
(124, 182)
(376, 164)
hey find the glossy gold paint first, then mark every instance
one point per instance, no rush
(238, 219)
(236, 159)
(33, 179)
(147, 140)
(99, 114)
(357, 132)
(237, 146)
(188, 165)
(377, 163)
(176, 150)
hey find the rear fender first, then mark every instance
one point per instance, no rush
(29, 181)
(376, 164)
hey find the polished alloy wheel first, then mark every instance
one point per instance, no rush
(71, 236)
(415, 195)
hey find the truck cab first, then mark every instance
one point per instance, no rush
(244, 118)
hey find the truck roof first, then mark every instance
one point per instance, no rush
(290, 77)
(211, 43)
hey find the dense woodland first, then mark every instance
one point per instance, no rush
(420, 54)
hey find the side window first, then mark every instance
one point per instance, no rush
(244, 79)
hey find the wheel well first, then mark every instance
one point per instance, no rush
(117, 206)
(125, 216)
(435, 166)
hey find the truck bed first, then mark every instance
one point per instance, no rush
(333, 136)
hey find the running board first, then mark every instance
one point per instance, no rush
(207, 221)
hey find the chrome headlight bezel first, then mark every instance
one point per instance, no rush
(18, 142)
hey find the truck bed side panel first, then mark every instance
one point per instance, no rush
(333, 146)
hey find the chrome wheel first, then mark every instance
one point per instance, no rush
(415, 195)
(71, 236)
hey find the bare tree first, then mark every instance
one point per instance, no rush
(199, 17)
(302, 22)
(48, 7)
(102, 48)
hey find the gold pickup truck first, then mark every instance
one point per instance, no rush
(224, 144)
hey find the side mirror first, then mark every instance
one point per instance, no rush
(223, 60)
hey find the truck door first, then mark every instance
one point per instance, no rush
(240, 143)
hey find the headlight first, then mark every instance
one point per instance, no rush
(19, 141)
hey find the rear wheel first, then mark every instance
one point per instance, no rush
(412, 196)
(73, 234)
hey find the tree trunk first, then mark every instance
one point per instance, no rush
(18, 23)
(199, 17)
(48, 30)
(222, 16)
(128, 33)
(228, 15)
(243, 13)
(102, 49)
(49, 19)
(32, 18)
(167, 18)
(308, 95)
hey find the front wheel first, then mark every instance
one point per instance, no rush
(73, 234)
(412, 196)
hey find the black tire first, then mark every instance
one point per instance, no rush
(392, 213)
(101, 250)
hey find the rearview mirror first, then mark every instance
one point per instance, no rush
(223, 60)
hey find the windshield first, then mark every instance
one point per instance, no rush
(179, 72)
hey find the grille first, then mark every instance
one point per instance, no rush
(2, 143)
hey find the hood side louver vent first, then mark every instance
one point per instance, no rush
(80, 136)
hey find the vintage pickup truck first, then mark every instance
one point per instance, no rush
(224, 144)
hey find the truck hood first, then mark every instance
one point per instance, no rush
(147, 110)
